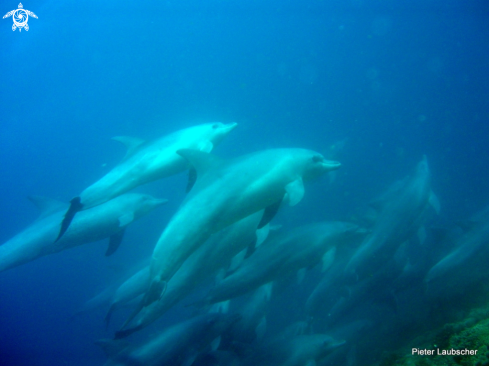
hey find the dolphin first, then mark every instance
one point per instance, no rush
(304, 349)
(146, 162)
(331, 286)
(226, 192)
(122, 292)
(100, 300)
(176, 345)
(253, 323)
(105, 221)
(129, 290)
(461, 267)
(403, 209)
(473, 242)
(214, 255)
(285, 254)
(375, 289)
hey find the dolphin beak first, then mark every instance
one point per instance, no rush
(329, 165)
(230, 126)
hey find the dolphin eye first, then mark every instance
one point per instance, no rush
(215, 126)
(317, 159)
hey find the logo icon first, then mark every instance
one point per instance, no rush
(20, 17)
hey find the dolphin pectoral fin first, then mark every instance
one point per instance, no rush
(295, 191)
(154, 293)
(220, 307)
(269, 213)
(200, 160)
(126, 219)
(262, 235)
(215, 344)
(109, 315)
(114, 242)
(328, 259)
(192, 177)
(131, 317)
(206, 146)
(75, 206)
(238, 258)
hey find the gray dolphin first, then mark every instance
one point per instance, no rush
(296, 351)
(402, 212)
(176, 345)
(129, 290)
(104, 221)
(253, 323)
(285, 254)
(215, 254)
(146, 162)
(226, 192)
(461, 266)
(122, 292)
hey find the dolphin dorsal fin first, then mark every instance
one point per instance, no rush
(200, 160)
(131, 143)
(47, 206)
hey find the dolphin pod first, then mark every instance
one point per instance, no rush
(146, 162)
(286, 253)
(402, 213)
(215, 254)
(319, 291)
(187, 338)
(271, 177)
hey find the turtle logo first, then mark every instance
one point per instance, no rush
(20, 17)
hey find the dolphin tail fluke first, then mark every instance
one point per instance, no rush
(75, 206)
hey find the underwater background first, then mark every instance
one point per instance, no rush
(373, 84)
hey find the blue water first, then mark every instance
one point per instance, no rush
(395, 79)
